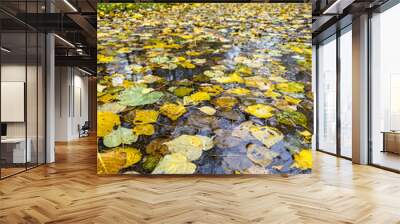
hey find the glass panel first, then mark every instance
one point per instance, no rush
(327, 96)
(385, 84)
(13, 87)
(346, 94)
(31, 99)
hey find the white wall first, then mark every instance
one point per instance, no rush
(71, 102)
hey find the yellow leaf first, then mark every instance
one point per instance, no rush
(106, 122)
(145, 116)
(225, 102)
(212, 90)
(259, 82)
(303, 159)
(172, 111)
(143, 129)
(175, 163)
(233, 78)
(187, 64)
(112, 161)
(196, 98)
(239, 91)
(292, 100)
(272, 94)
(104, 59)
(260, 110)
(193, 53)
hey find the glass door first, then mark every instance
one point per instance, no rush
(385, 89)
(345, 92)
(326, 99)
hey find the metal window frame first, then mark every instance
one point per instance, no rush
(340, 31)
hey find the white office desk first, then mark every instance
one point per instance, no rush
(18, 149)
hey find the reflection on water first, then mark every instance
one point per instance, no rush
(204, 88)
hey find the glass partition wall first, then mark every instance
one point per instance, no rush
(334, 93)
(22, 77)
(385, 89)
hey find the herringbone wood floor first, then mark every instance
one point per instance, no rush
(69, 191)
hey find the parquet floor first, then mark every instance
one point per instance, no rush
(69, 191)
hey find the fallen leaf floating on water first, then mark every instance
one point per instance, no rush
(303, 159)
(195, 98)
(260, 110)
(233, 78)
(225, 102)
(145, 116)
(208, 110)
(120, 136)
(182, 91)
(137, 96)
(238, 91)
(175, 163)
(172, 111)
(143, 129)
(111, 107)
(290, 87)
(191, 146)
(106, 121)
(212, 90)
(292, 118)
(112, 161)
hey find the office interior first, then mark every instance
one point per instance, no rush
(45, 87)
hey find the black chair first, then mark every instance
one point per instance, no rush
(84, 130)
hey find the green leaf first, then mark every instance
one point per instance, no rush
(292, 118)
(137, 96)
(120, 136)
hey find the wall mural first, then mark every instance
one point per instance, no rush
(204, 88)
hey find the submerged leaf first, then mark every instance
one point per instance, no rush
(269, 136)
(191, 146)
(260, 155)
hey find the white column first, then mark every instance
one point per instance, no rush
(50, 98)
(360, 90)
